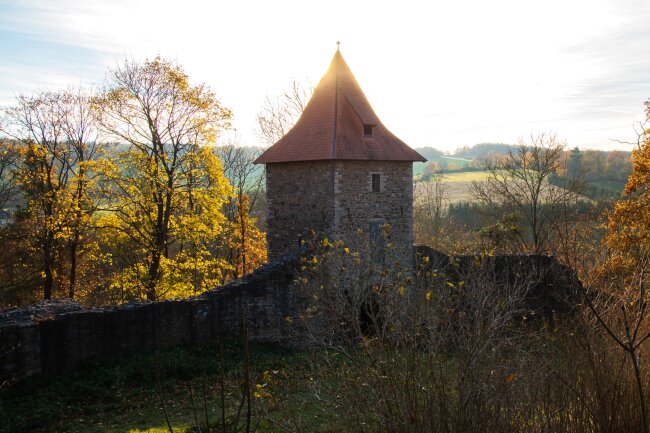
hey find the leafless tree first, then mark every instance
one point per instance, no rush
(280, 113)
(619, 306)
(429, 206)
(518, 187)
(247, 180)
(80, 128)
(238, 167)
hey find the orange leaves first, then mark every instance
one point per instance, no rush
(248, 243)
(629, 221)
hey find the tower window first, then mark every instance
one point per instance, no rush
(367, 130)
(376, 182)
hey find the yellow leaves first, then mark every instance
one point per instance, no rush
(158, 92)
(261, 391)
(194, 227)
(401, 290)
(429, 295)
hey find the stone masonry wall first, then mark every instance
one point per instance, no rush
(299, 199)
(551, 288)
(335, 198)
(55, 336)
(60, 335)
(356, 205)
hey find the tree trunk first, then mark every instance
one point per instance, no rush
(74, 243)
(47, 269)
(73, 268)
(242, 222)
(154, 267)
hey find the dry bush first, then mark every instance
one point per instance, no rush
(423, 351)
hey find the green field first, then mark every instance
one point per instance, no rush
(465, 176)
(610, 185)
(459, 185)
(418, 167)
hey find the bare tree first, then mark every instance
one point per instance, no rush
(518, 188)
(280, 113)
(238, 167)
(82, 138)
(429, 206)
(247, 180)
(619, 306)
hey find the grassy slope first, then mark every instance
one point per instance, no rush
(418, 167)
(610, 185)
(459, 184)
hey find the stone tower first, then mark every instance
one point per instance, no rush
(338, 170)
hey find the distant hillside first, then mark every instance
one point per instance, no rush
(483, 150)
(605, 172)
(437, 160)
(429, 152)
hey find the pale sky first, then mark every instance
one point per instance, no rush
(438, 73)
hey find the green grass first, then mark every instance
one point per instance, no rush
(123, 397)
(465, 176)
(458, 185)
(418, 167)
(609, 185)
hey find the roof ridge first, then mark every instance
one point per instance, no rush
(336, 101)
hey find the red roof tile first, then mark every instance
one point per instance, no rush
(332, 126)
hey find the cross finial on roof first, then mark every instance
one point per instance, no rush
(338, 43)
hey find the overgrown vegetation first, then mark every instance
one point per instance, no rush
(424, 352)
(430, 353)
(124, 396)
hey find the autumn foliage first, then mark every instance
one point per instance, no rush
(629, 221)
(121, 195)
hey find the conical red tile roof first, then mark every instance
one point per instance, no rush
(332, 126)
